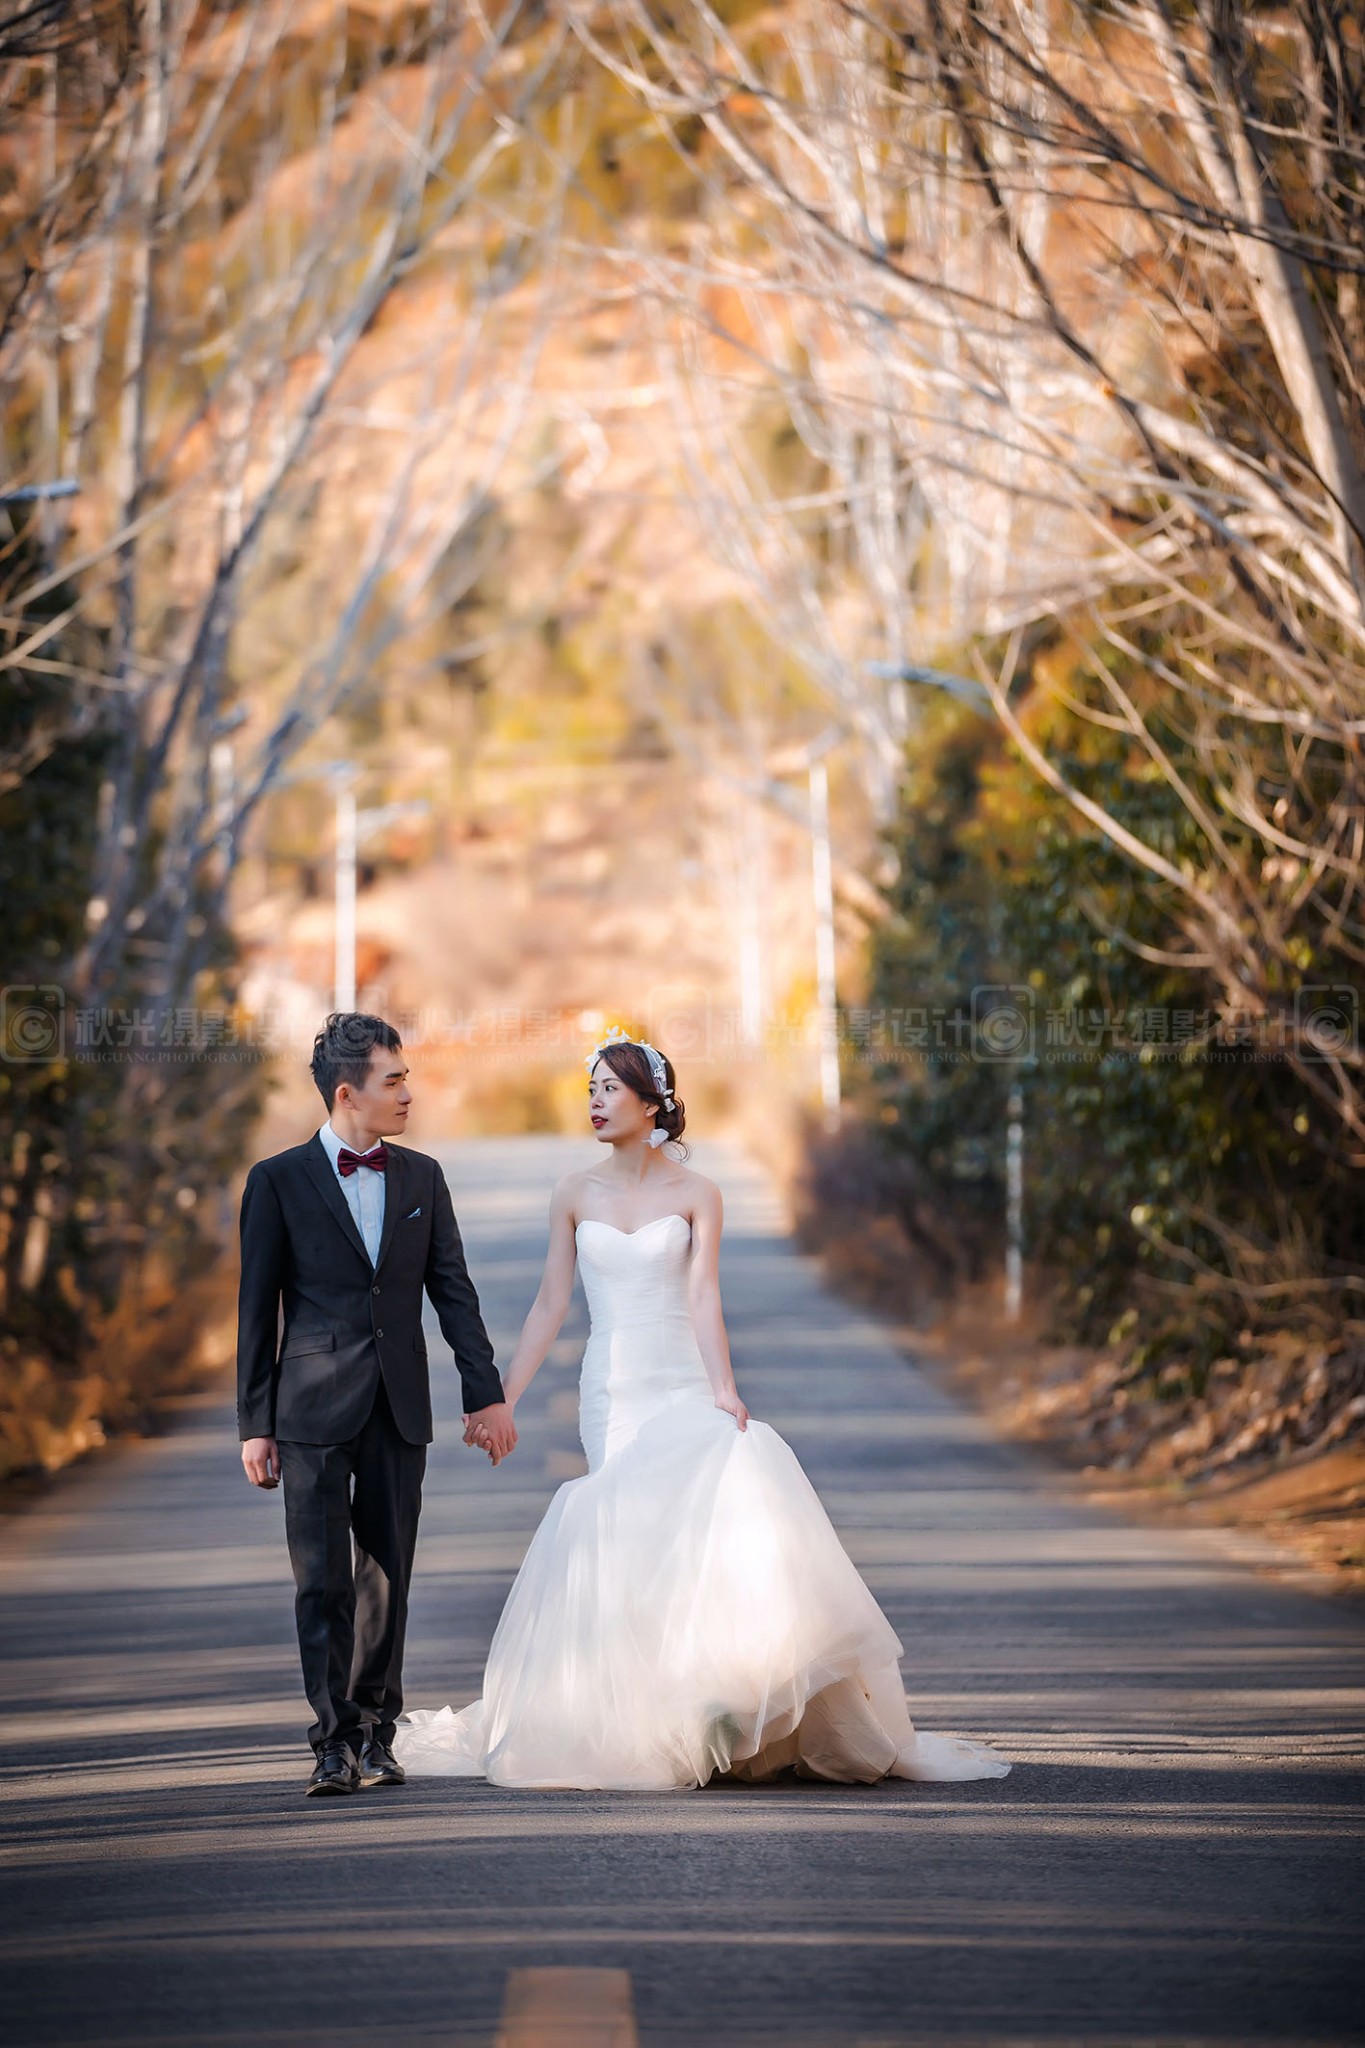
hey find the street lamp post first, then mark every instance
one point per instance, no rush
(1014, 1202)
(347, 843)
(751, 909)
(813, 758)
(826, 997)
(353, 828)
(969, 690)
(812, 817)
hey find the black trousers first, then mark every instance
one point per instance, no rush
(350, 1515)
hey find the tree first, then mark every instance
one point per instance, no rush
(1064, 302)
(271, 301)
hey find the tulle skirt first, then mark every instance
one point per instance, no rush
(686, 1610)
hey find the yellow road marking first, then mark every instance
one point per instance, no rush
(562, 2008)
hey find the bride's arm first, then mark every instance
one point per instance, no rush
(551, 1304)
(703, 1294)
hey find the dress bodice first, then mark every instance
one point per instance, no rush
(635, 1276)
(641, 1354)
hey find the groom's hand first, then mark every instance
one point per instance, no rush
(493, 1430)
(261, 1457)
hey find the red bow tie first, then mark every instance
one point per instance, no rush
(347, 1161)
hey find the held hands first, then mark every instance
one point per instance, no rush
(493, 1430)
(730, 1404)
(261, 1458)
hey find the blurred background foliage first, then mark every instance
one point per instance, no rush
(301, 303)
(1162, 1147)
(1192, 1206)
(109, 1289)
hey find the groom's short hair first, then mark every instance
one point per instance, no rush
(341, 1050)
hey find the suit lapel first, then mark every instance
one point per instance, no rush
(323, 1176)
(396, 1183)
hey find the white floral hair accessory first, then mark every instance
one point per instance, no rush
(616, 1036)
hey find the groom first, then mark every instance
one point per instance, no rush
(346, 1232)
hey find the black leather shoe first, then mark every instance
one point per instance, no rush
(379, 1765)
(334, 1771)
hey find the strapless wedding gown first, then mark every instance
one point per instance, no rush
(686, 1607)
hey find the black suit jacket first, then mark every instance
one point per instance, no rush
(347, 1323)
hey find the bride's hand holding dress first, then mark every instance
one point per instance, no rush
(730, 1404)
(703, 1297)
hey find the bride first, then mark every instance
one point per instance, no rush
(685, 1609)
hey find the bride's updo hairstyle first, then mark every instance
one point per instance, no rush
(631, 1065)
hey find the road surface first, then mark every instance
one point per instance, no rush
(1176, 1856)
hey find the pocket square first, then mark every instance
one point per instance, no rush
(413, 1212)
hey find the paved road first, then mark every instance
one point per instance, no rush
(1176, 1856)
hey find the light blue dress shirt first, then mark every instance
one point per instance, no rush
(364, 1192)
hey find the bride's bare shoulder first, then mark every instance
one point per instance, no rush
(567, 1193)
(701, 1192)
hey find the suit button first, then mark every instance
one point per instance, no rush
(374, 1290)
(379, 1333)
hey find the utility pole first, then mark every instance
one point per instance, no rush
(354, 827)
(813, 815)
(752, 897)
(822, 884)
(1014, 1202)
(343, 978)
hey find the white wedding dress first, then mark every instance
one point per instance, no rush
(686, 1607)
